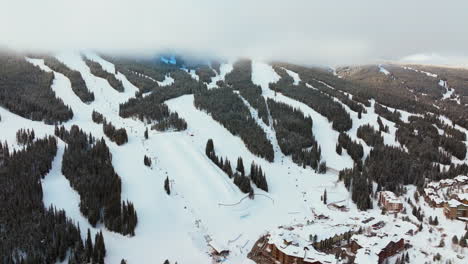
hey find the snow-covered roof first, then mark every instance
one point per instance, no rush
(429, 191)
(390, 197)
(462, 196)
(436, 199)
(447, 182)
(371, 247)
(294, 241)
(453, 203)
(433, 185)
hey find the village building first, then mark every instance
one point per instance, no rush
(455, 209)
(432, 198)
(451, 194)
(311, 244)
(390, 202)
(391, 249)
(381, 249)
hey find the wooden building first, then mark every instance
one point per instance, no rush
(290, 258)
(456, 210)
(391, 249)
(390, 202)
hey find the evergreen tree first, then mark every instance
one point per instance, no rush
(209, 150)
(322, 167)
(462, 241)
(339, 149)
(147, 161)
(240, 166)
(146, 133)
(167, 186)
(89, 246)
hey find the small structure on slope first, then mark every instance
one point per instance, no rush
(218, 251)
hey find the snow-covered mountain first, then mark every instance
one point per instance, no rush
(205, 207)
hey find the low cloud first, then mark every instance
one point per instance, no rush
(301, 31)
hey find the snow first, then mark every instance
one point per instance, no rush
(224, 69)
(293, 75)
(300, 245)
(390, 197)
(192, 73)
(262, 75)
(168, 80)
(269, 130)
(383, 70)
(433, 75)
(198, 211)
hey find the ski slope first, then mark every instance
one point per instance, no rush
(204, 203)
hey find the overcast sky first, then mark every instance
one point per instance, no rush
(302, 31)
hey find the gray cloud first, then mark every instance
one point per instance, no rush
(302, 31)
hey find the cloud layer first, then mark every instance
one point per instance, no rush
(301, 31)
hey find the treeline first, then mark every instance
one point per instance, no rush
(119, 136)
(143, 83)
(156, 71)
(152, 108)
(309, 76)
(77, 83)
(87, 164)
(369, 135)
(31, 233)
(294, 134)
(417, 82)
(449, 131)
(97, 70)
(318, 101)
(317, 74)
(25, 136)
(369, 82)
(26, 91)
(147, 111)
(360, 186)
(257, 176)
(172, 122)
(354, 148)
(229, 110)
(393, 167)
(423, 140)
(205, 73)
(240, 78)
(384, 112)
